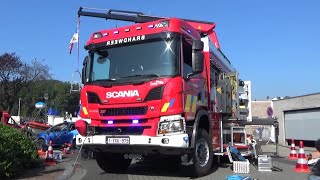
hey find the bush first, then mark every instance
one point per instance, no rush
(17, 152)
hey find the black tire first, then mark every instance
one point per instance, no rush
(41, 145)
(112, 163)
(203, 155)
(86, 154)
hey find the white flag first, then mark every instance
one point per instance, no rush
(74, 39)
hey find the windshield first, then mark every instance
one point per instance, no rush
(149, 59)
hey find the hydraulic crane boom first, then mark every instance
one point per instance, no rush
(204, 27)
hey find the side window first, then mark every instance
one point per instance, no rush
(64, 127)
(60, 127)
(187, 59)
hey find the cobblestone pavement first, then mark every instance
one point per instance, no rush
(161, 170)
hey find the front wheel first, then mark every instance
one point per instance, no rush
(112, 162)
(202, 155)
(41, 145)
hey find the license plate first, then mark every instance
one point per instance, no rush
(118, 140)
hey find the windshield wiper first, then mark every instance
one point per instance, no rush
(142, 75)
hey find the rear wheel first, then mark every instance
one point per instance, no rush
(202, 155)
(112, 163)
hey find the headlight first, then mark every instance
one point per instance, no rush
(171, 124)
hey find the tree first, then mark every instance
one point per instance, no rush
(59, 97)
(15, 76)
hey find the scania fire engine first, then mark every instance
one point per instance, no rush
(158, 87)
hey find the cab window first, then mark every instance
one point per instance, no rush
(187, 58)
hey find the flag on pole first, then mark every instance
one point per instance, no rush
(73, 40)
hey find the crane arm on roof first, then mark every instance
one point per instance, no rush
(203, 27)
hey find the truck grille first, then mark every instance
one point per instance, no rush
(121, 130)
(123, 111)
(124, 121)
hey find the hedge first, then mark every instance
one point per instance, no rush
(17, 152)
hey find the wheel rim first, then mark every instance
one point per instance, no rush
(202, 152)
(40, 145)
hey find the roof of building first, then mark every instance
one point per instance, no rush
(287, 97)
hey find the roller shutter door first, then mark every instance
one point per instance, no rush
(302, 124)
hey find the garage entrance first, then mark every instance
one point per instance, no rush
(302, 124)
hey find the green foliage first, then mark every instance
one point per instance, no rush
(17, 152)
(14, 75)
(59, 97)
(29, 82)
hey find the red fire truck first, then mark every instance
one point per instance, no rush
(161, 86)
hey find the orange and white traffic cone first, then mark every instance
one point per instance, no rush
(49, 159)
(302, 163)
(293, 152)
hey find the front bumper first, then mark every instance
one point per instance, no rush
(170, 144)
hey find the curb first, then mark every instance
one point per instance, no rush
(71, 173)
(68, 172)
(79, 174)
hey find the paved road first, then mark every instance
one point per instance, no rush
(164, 171)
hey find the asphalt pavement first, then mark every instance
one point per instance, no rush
(64, 169)
(163, 170)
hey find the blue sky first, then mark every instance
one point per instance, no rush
(275, 44)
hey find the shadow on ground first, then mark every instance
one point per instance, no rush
(38, 172)
(164, 168)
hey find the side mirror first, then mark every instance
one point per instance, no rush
(197, 45)
(84, 70)
(197, 57)
(197, 62)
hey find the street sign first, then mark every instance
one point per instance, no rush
(270, 112)
(40, 105)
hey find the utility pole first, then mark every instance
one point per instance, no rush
(276, 126)
(19, 107)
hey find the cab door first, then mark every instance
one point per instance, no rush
(193, 84)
